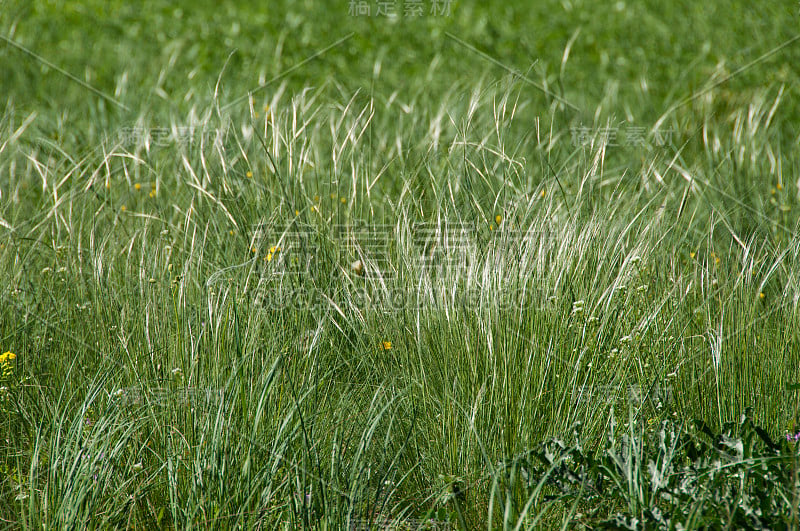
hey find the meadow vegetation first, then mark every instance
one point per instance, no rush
(507, 266)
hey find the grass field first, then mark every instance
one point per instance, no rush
(460, 266)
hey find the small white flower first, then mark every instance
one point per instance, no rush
(177, 371)
(635, 260)
(137, 466)
(625, 340)
(118, 393)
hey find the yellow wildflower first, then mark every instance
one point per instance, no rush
(7, 356)
(386, 345)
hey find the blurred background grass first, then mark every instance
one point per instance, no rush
(164, 57)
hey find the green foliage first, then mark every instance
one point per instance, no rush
(207, 335)
(676, 477)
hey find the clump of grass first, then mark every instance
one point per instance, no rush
(684, 475)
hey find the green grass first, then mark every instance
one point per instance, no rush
(174, 370)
